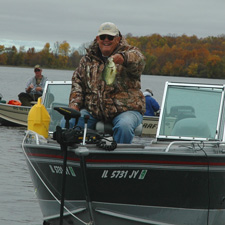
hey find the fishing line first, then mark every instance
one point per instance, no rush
(49, 189)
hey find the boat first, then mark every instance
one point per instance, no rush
(13, 114)
(178, 177)
(149, 126)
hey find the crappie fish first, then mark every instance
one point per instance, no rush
(109, 72)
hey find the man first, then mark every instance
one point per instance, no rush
(152, 106)
(34, 87)
(121, 103)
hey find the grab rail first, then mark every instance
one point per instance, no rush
(193, 143)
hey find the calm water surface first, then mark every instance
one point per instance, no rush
(18, 204)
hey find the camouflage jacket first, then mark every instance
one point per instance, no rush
(104, 102)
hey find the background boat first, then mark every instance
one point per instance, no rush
(150, 125)
(13, 115)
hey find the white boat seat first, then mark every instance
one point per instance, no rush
(182, 112)
(191, 127)
(33, 103)
(106, 128)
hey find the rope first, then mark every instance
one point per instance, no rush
(89, 223)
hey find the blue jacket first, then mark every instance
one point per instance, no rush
(152, 106)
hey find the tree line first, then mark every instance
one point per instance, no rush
(183, 55)
(169, 55)
(60, 57)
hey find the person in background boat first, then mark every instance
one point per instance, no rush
(152, 106)
(121, 102)
(34, 87)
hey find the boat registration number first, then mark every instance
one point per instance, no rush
(122, 174)
(59, 170)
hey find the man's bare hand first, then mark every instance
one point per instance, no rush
(118, 59)
(38, 89)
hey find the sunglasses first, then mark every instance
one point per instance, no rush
(37, 70)
(104, 36)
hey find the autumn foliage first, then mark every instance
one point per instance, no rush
(170, 55)
(61, 57)
(182, 55)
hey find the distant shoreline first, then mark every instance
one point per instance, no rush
(28, 67)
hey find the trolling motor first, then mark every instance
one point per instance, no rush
(75, 135)
(68, 137)
(59, 136)
(68, 114)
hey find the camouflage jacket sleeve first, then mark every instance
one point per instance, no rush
(134, 61)
(76, 95)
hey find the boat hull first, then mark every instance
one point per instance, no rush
(130, 185)
(13, 114)
(149, 126)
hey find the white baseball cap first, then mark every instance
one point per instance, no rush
(37, 67)
(108, 28)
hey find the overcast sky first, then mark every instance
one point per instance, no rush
(32, 23)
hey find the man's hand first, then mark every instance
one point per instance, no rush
(29, 88)
(74, 107)
(118, 59)
(38, 88)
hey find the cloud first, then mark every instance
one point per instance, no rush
(77, 21)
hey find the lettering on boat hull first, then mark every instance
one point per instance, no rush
(150, 125)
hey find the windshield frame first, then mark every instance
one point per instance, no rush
(185, 92)
(60, 98)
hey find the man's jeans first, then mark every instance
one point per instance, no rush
(27, 98)
(123, 125)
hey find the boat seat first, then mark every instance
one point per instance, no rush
(33, 103)
(106, 128)
(181, 112)
(191, 127)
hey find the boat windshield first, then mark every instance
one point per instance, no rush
(57, 94)
(191, 112)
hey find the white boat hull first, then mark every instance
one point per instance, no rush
(150, 125)
(14, 114)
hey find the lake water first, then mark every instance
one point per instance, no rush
(18, 204)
